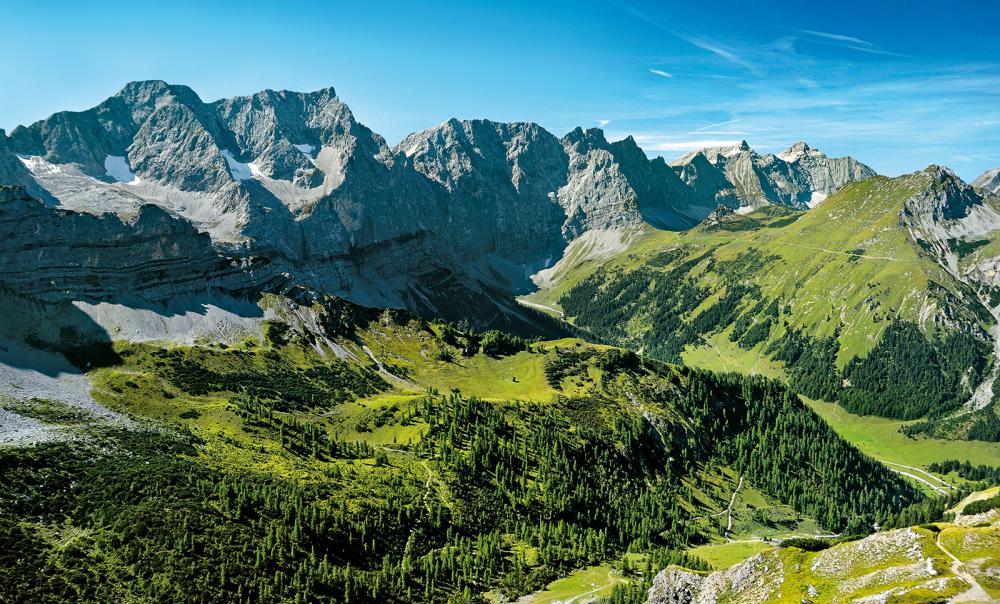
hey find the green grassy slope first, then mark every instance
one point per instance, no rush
(841, 295)
(389, 459)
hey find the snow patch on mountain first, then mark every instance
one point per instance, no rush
(306, 150)
(39, 166)
(240, 170)
(817, 198)
(118, 169)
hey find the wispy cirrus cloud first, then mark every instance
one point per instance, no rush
(850, 43)
(661, 73)
(723, 52)
(716, 128)
(837, 37)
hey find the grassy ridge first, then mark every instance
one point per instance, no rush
(839, 300)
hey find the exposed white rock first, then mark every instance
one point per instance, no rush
(799, 177)
(39, 166)
(989, 180)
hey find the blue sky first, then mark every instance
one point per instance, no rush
(898, 85)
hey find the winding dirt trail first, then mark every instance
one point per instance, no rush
(975, 593)
(611, 581)
(941, 488)
(729, 510)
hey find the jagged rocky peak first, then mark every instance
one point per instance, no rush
(945, 198)
(522, 153)
(942, 208)
(799, 177)
(597, 193)
(582, 140)
(714, 154)
(797, 151)
(989, 180)
(165, 134)
(292, 136)
(501, 181)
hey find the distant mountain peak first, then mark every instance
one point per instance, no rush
(989, 180)
(799, 177)
(797, 151)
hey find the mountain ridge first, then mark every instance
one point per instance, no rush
(464, 210)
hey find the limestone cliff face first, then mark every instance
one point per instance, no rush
(477, 206)
(989, 180)
(500, 182)
(56, 255)
(799, 177)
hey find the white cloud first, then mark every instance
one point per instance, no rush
(836, 37)
(661, 73)
(724, 53)
(876, 51)
(603, 123)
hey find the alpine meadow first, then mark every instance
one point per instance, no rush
(633, 341)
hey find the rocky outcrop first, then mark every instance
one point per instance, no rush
(799, 177)
(944, 212)
(674, 585)
(894, 565)
(948, 202)
(55, 255)
(501, 182)
(615, 185)
(989, 180)
(756, 579)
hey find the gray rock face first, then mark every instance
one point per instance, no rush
(501, 181)
(946, 210)
(615, 184)
(675, 586)
(55, 255)
(989, 180)
(756, 579)
(475, 207)
(799, 177)
(525, 194)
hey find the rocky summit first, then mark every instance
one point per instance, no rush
(466, 210)
(798, 177)
(989, 180)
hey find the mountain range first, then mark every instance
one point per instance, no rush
(467, 210)
(252, 352)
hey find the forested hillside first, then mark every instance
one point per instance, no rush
(441, 465)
